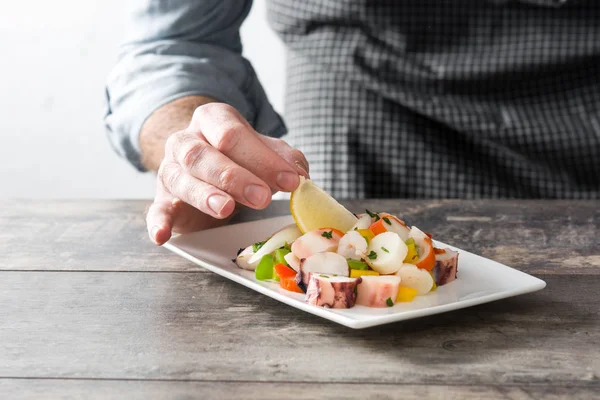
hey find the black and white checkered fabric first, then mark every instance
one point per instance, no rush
(445, 98)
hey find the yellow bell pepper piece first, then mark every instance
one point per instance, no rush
(434, 286)
(405, 294)
(367, 234)
(412, 256)
(355, 273)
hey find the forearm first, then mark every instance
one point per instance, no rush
(186, 50)
(172, 117)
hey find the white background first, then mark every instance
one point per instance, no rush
(54, 59)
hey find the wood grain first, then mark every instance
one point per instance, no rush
(89, 308)
(41, 389)
(539, 237)
(199, 326)
(86, 236)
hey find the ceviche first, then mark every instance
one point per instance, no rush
(373, 259)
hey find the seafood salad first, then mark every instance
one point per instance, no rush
(377, 262)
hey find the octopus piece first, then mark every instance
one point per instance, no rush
(391, 223)
(364, 222)
(386, 253)
(327, 263)
(446, 266)
(378, 291)
(332, 291)
(292, 261)
(279, 239)
(317, 241)
(243, 258)
(416, 278)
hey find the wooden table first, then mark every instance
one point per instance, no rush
(90, 309)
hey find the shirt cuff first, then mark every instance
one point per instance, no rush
(157, 73)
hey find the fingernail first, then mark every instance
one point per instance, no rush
(154, 232)
(217, 202)
(257, 195)
(302, 168)
(287, 180)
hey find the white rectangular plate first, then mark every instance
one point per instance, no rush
(480, 280)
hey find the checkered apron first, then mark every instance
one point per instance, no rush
(445, 98)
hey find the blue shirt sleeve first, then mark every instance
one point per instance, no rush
(177, 48)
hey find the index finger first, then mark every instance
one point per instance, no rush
(227, 131)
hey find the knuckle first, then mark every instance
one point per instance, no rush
(227, 108)
(230, 137)
(169, 175)
(171, 143)
(173, 179)
(197, 196)
(201, 112)
(160, 174)
(191, 153)
(208, 110)
(192, 195)
(228, 179)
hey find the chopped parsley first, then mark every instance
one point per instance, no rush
(256, 246)
(384, 249)
(372, 255)
(373, 215)
(327, 235)
(389, 302)
(387, 220)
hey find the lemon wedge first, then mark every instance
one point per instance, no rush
(313, 208)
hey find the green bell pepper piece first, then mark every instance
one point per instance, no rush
(280, 254)
(355, 264)
(264, 270)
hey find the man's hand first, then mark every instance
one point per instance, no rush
(214, 163)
